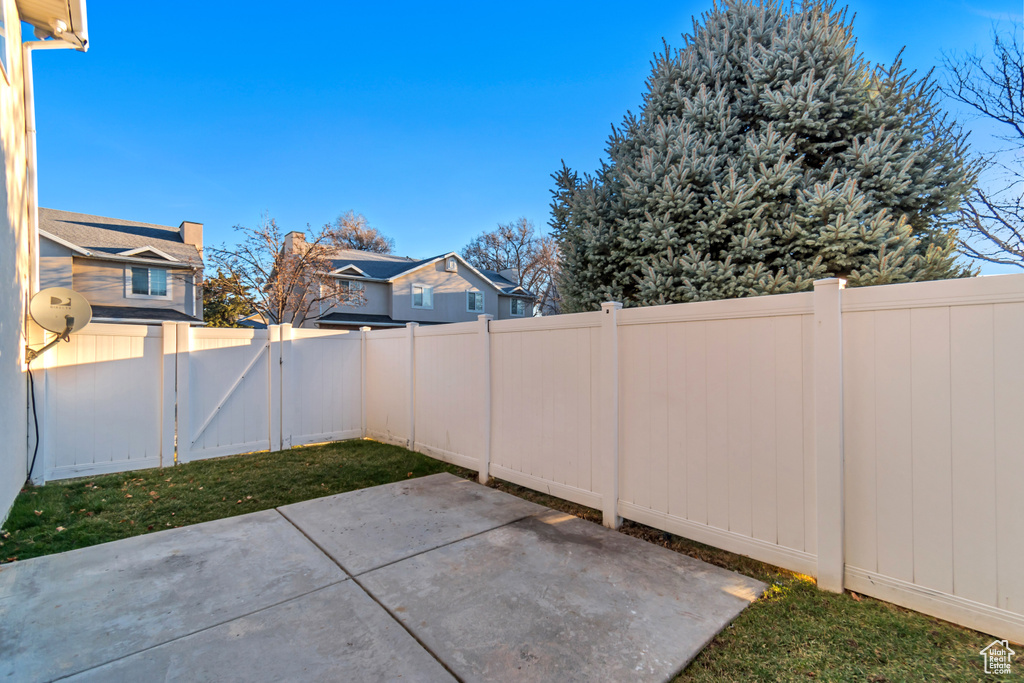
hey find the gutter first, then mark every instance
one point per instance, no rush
(143, 321)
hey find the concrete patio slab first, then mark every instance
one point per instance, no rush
(334, 634)
(556, 598)
(62, 614)
(370, 528)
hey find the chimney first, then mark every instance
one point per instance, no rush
(295, 242)
(192, 233)
(511, 274)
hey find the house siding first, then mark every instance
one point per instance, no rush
(103, 284)
(15, 267)
(449, 295)
(378, 302)
(55, 264)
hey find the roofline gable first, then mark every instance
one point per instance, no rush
(64, 243)
(443, 257)
(139, 250)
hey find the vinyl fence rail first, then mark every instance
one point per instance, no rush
(870, 437)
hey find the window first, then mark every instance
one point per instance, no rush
(475, 302)
(349, 288)
(148, 282)
(452, 266)
(422, 296)
(3, 48)
(518, 307)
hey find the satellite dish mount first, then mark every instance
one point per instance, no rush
(58, 310)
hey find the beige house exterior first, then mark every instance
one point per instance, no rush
(130, 272)
(398, 290)
(56, 25)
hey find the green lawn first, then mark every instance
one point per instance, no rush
(795, 633)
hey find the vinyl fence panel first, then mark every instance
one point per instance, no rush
(102, 409)
(322, 386)
(544, 403)
(388, 383)
(934, 453)
(449, 391)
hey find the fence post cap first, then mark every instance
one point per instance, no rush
(611, 305)
(830, 281)
(485, 316)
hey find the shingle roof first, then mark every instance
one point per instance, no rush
(136, 313)
(386, 266)
(364, 319)
(376, 266)
(505, 285)
(111, 236)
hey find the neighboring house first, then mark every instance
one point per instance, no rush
(130, 272)
(398, 290)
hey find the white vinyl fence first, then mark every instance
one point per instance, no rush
(123, 397)
(872, 437)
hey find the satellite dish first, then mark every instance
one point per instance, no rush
(60, 310)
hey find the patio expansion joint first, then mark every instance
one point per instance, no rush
(355, 579)
(205, 628)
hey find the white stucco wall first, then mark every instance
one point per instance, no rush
(14, 269)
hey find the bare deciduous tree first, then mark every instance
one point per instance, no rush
(516, 245)
(352, 231)
(992, 221)
(286, 278)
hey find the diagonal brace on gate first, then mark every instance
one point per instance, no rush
(229, 393)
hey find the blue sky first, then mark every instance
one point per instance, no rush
(436, 121)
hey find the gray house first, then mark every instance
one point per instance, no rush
(440, 289)
(130, 272)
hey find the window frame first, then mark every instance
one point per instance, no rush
(130, 294)
(512, 307)
(412, 296)
(483, 301)
(348, 286)
(5, 57)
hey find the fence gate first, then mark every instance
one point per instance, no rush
(226, 377)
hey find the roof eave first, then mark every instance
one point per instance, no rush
(75, 31)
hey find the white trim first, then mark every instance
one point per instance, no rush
(483, 301)
(470, 463)
(412, 296)
(139, 250)
(551, 488)
(64, 243)
(350, 266)
(985, 618)
(129, 294)
(780, 556)
(451, 264)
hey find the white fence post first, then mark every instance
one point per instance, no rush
(485, 381)
(287, 387)
(828, 431)
(183, 347)
(168, 397)
(411, 327)
(362, 380)
(275, 416)
(608, 430)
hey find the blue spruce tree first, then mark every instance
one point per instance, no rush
(767, 154)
